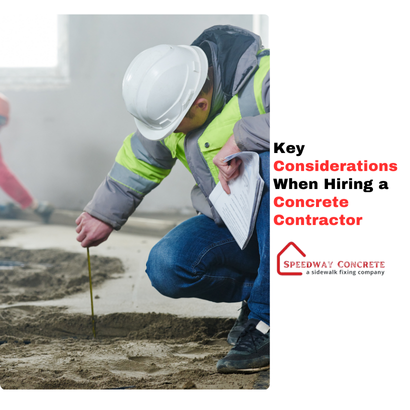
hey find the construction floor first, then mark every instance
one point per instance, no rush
(131, 292)
(143, 340)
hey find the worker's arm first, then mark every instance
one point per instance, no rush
(139, 167)
(227, 170)
(253, 133)
(113, 203)
(249, 134)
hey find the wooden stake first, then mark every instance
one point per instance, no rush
(91, 290)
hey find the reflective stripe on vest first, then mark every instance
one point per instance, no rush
(132, 171)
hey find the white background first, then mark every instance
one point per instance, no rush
(341, 87)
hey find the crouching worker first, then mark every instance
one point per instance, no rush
(198, 104)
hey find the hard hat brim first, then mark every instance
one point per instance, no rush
(156, 135)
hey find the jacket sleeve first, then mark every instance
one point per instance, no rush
(139, 167)
(113, 203)
(253, 133)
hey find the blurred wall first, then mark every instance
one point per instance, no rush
(62, 141)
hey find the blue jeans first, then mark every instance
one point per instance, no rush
(199, 259)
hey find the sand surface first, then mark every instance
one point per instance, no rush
(43, 347)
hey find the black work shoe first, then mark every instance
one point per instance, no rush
(251, 352)
(239, 324)
(44, 210)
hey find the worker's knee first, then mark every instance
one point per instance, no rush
(162, 269)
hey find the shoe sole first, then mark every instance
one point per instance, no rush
(232, 370)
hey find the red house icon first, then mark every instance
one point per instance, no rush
(283, 251)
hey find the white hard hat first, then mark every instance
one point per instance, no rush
(160, 86)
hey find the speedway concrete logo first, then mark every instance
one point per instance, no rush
(300, 264)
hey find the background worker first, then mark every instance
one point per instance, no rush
(198, 104)
(11, 185)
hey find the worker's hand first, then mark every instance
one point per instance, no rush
(91, 231)
(227, 170)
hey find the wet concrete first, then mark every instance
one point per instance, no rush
(144, 340)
